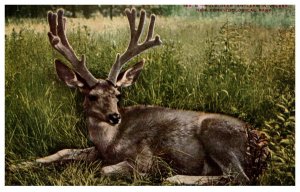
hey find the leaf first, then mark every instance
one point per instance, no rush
(278, 159)
(286, 142)
(292, 118)
(268, 125)
(283, 107)
(225, 91)
(280, 117)
(234, 109)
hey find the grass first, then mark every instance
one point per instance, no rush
(246, 70)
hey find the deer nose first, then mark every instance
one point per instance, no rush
(114, 118)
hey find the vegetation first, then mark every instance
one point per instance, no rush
(87, 11)
(213, 64)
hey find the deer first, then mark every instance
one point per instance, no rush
(200, 146)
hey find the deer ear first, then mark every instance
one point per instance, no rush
(67, 75)
(128, 77)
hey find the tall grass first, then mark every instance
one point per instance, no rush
(243, 70)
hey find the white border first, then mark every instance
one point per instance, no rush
(142, 188)
(2, 98)
(154, 188)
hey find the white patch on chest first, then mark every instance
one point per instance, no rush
(101, 133)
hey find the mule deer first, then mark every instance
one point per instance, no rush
(126, 139)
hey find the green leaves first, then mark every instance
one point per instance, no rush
(281, 129)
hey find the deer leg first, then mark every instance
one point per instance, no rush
(142, 164)
(123, 168)
(193, 180)
(88, 154)
(231, 166)
(225, 145)
(206, 177)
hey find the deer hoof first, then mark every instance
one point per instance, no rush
(108, 171)
(115, 170)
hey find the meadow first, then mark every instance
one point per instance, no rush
(230, 64)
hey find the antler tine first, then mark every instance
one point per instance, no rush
(58, 40)
(134, 48)
(135, 34)
(151, 28)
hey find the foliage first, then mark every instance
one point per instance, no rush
(216, 65)
(285, 16)
(87, 11)
(281, 130)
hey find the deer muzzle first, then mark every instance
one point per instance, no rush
(114, 118)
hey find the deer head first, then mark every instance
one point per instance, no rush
(100, 94)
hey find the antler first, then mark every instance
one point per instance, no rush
(58, 39)
(134, 48)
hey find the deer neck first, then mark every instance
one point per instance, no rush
(101, 133)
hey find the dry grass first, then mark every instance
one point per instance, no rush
(96, 24)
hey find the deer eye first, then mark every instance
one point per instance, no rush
(93, 97)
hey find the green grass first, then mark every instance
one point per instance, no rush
(213, 65)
